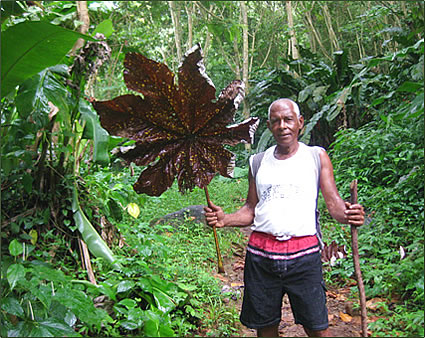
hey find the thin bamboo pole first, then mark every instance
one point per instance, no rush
(217, 247)
(356, 260)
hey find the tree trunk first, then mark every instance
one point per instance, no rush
(316, 35)
(208, 37)
(358, 39)
(189, 10)
(83, 16)
(292, 50)
(245, 63)
(175, 17)
(332, 36)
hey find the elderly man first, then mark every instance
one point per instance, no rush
(283, 253)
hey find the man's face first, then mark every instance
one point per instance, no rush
(284, 123)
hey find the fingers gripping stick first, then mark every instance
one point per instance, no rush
(356, 261)
(217, 247)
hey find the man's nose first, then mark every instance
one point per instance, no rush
(282, 124)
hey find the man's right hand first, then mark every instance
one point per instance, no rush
(214, 215)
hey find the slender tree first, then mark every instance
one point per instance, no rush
(175, 16)
(292, 50)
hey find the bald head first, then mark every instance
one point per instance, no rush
(295, 107)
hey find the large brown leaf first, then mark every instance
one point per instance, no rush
(179, 129)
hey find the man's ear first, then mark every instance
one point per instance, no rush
(301, 119)
(268, 125)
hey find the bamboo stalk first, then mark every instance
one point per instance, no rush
(356, 261)
(217, 247)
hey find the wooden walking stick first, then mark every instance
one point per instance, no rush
(356, 260)
(217, 247)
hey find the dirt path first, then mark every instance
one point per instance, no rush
(342, 321)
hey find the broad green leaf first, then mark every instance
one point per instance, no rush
(94, 242)
(133, 210)
(93, 130)
(156, 326)
(34, 236)
(410, 87)
(15, 248)
(41, 45)
(35, 93)
(381, 99)
(306, 92)
(48, 328)
(57, 328)
(50, 274)
(319, 92)
(163, 301)
(12, 306)
(22, 329)
(105, 27)
(43, 292)
(15, 272)
(125, 285)
(152, 324)
(129, 325)
(128, 303)
(81, 305)
(107, 290)
(338, 103)
(145, 284)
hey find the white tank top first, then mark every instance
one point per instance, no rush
(287, 191)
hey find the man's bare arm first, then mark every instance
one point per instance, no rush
(343, 212)
(240, 218)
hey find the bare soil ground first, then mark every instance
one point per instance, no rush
(343, 321)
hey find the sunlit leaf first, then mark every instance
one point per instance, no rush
(133, 210)
(179, 129)
(34, 236)
(345, 317)
(106, 28)
(15, 248)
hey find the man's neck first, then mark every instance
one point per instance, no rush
(282, 152)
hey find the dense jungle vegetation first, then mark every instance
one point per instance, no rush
(79, 256)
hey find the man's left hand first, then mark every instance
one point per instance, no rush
(354, 214)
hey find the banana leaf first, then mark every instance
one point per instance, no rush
(94, 131)
(29, 47)
(93, 240)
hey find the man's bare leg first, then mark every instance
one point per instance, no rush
(270, 331)
(318, 333)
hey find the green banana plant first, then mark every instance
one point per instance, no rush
(94, 242)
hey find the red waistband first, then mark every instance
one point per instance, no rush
(269, 243)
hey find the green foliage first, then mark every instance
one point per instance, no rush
(33, 54)
(386, 157)
(39, 300)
